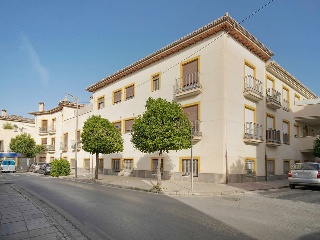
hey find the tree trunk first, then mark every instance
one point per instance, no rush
(97, 166)
(159, 181)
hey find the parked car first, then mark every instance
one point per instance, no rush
(304, 174)
(8, 165)
(35, 167)
(45, 169)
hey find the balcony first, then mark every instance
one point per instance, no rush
(252, 88)
(64, 146)
(73, 145)
(52, 129)
(43, 130)
(273, 98)
(306, 143)
(273, 137)
(196, 133)
(252, 133)
(50, 148)
(188, 86)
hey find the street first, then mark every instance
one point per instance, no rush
(112, 213)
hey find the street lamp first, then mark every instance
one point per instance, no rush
(191, 160)
(76, 142)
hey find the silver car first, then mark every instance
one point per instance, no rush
(305, 174)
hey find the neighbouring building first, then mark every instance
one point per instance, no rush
(250, 116)
(10, 127)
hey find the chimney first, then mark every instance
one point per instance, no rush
(41, 106)
(4, 113)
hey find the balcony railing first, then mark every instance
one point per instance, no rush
(64, 146)
(43, 130)
(50, 148)
(73, 145)
(187, 86)
(196, 133)
(286, 138)
(273, 137)
(252, 88)
(52, 129)
(273, 98)
(252, 133)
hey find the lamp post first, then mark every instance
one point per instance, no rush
(76, 142)
(191, 160)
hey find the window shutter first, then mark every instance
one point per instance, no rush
(191, 112)
(130, 92)
(117, 97)
(190, 73)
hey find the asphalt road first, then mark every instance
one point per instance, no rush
(112, 213)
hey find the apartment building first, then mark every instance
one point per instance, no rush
(10, 127)
(239, 101)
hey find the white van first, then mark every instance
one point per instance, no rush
(8, 165)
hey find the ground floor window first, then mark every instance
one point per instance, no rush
(250, 167)
(154, 165)
(286, 166)
(115, 165)
(186, 167)
(101, 164)
(72, 163)
(270, 167)
(86, 164)
(128, 164)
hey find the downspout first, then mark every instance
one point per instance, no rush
(225, 104)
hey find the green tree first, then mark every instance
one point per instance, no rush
(162, 127)
(316, 148)
(26, 145)
(100, 136)
(60, 167)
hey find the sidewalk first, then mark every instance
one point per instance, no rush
(23, 216)
(183, 188)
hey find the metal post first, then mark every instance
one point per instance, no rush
(76, 146)
(191, 159)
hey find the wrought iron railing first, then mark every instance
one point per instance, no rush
(251, 84)
(273, 136)
(253, 131)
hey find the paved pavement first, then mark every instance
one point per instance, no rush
(24, 216)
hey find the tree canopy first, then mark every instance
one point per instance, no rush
(162, 127)
(99, 135)
(316, 148)
(26, 145)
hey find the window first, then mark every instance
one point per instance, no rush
(186, 167)
(100, 167)
(154, 165)
(296, 130)
(250, 114)
(286, 131)
(65, 141)
(117, 125)
(190, 74)
(270, 121)
(250, 167)
(192, 111)
(155, 82)
(286, 166)
(128, 125)
(72, 163)
(285, 98)
(100, 103)
(270, 167)
(44, 126)
(1, 146)
(116, 165)
(51, 159)
(86, 163)
(249, 69)
(128, 164)
(42, 159)
(270, 83)
(116, 96)
(129, 91)
(43, 141)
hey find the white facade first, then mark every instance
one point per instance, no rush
(233, 73)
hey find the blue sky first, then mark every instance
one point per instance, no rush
(49, 48)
